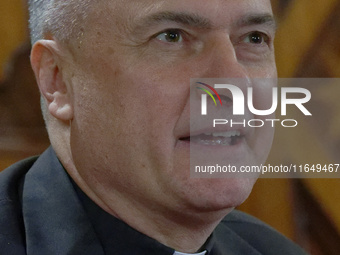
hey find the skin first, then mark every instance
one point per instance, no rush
(117, 102)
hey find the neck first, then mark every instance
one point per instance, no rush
(183, 229)
(179, 226)
(184, 232)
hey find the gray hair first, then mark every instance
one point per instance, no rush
(60, 18)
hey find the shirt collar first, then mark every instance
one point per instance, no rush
(180, 253)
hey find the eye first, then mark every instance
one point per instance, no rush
(170, 36)
(256, 38)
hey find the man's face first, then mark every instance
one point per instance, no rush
(131, 79)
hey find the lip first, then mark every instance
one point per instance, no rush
(235, 148)
(234, 142)
(207, 154)
(242, 131)
(236, 153)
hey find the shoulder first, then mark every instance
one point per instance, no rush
(259, 235)
(11, 178)
(11, 222)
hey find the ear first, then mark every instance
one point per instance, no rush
(45, 61)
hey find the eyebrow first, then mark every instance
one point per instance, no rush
(257, 19)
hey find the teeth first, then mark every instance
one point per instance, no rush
(228, 138)
(227, 134)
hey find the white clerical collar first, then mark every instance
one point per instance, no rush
(181, 253)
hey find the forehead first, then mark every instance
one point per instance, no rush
(218, 12)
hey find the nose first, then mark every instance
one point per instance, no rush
(221, 66)
(221, 59)
(218, 64)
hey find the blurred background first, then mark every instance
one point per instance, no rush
(307, 45)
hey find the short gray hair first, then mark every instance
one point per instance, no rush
(60, 18)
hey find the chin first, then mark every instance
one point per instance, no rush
(219, 194)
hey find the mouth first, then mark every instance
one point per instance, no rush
(227, 138)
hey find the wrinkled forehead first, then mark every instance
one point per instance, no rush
(124, 12)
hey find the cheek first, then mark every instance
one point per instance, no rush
(264, 98)
(130, 109)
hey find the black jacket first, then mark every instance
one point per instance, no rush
(41, 213)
